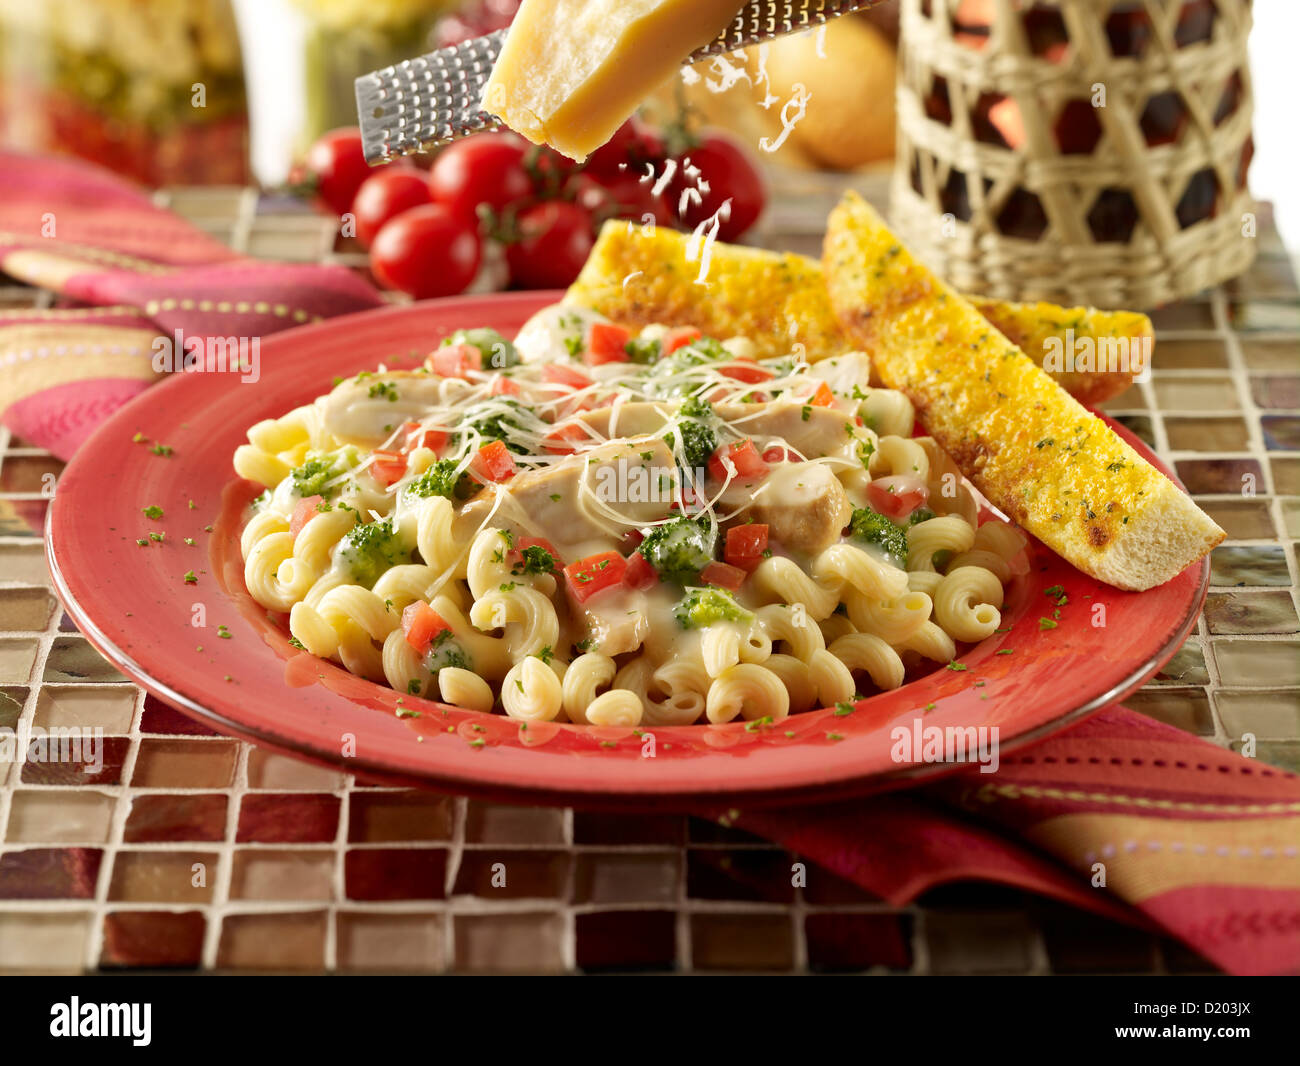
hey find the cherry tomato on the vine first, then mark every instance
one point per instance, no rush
(554, 239)
(336, 165)
(633, 145)
(487, 168)
(427, 251)
(730, 173)
(385, 195)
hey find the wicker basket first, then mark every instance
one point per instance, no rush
(1076, 150)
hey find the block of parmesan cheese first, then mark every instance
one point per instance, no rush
(572, 71)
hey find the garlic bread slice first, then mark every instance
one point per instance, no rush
(1031, 448)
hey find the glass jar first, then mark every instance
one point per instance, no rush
(153, 89)
(348, 38)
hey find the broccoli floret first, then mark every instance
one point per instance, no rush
(446, 651)
(534, 560)
(694, 407)
(372, 548)
(921, 514)
(493, 420)
(441, 479)
(314, 475)
(680, 548)
(876, 529)
(699, 353)
(643, 349)
(698, 443)
(704, 606)
(498, 353)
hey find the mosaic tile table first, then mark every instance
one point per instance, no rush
(308, 869)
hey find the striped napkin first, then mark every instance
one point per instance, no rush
(127, 272)
(1121, 815)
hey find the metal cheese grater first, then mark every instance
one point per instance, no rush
(424, 102)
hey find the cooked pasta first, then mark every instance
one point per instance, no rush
(603, 528)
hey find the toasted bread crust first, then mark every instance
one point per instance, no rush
(1031, 448)
(776, 299)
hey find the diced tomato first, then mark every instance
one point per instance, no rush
(588, 576)
(743, 370)
(744, 457)
(388, 467)
(560, 374)
(421, 623)
(561, 440)
(898, 496)
(678, 338)
(605, 344)
(416, 436)
(304, 513)
(503, 386)
(639, 573)
(745, 545)
(455, 360)
(723, 575)
(493, 462)
(823, 397)
(633, 538)
(776, 454)
(516, 554)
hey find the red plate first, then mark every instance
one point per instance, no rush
(136, 608)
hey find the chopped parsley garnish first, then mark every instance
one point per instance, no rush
(152, 511)
(534, 560)
(1046, 623)
(190, 578)
(223, 632)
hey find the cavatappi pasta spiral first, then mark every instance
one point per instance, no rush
(611, 529)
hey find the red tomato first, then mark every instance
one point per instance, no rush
(388, 467)
(749, 373)
(723, 575)
(504, 386)
(493, 462)
(561, 440)
(632, 146)
(416, 436)
(605, 344)
(304, 513)
(728, 170)
(561, 374)
(486, 169)
(336, 165)
(745, 545)
(421, 623)
(427, 251)
(639, 573)
(385, 195)
(778, 454)
(898, 496)
(588, 576)
(455, 360)
(554, 239)
(633, 538)
(678, 338)
(823, 397)
(744, 457)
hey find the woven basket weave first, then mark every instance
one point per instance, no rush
(1010, 181)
